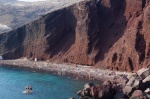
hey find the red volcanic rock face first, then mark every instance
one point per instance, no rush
(130, 52)
(110, 34)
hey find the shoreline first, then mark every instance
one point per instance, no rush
(87, 72)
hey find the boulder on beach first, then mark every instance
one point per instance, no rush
(127, 90)
(138, 94)
(147, 79)
(95, 91)
(106, 92)
(88, 85)
(136, 83)
(131, 81)
(131, 75)
(86, 91)
(144, 72)
(107, 83)
(147, 90)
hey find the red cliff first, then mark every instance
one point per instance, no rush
(110, 34)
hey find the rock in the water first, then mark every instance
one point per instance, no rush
(72, 98)
(86, 92)
(88, 85)
(79, 92)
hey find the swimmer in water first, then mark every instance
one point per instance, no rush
(28, 90)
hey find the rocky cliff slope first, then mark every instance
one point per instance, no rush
(106, 33)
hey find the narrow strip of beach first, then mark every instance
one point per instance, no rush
(79, 70)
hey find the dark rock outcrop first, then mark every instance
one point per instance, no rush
(107, 33)
(133, 88)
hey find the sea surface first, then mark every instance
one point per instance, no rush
(13, 81)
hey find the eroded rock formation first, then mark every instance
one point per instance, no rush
(130, 51)
(106, 33)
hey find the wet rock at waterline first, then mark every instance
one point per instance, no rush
(136, 87)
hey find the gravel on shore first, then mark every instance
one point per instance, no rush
(79, 70)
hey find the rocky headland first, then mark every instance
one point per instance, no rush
(136, 86)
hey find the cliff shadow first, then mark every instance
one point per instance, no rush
(112, 25)
(12, 43)
(63, 36)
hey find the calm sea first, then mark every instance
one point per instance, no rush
(45, 85)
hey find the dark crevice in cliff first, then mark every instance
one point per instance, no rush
(114, 58)
(143, 3)
(131, 64)
(148, 54)
(140, 46)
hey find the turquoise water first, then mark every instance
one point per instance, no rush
(45, 85)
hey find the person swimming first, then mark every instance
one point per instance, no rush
(28, 90)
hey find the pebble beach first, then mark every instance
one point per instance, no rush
(88, 72)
